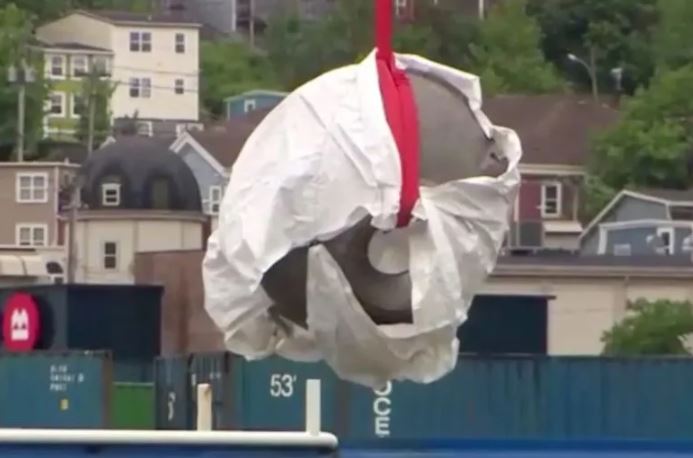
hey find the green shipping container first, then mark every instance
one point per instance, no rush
(48, 390)
(132, 406)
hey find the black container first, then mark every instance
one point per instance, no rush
(216, 370)
(124, 319)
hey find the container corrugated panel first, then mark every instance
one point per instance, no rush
(269, 394)
(214, 369)
(133, 371)
(132, 406)
(43, 390)
(518, 397)
(172, 393)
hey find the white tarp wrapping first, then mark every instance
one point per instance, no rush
(319, 162)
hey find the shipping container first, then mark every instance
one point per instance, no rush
(269, 394)
(172, 393)
(123, 319)
(44, 390)
(532, 397)
(132, 406)
(214, 369)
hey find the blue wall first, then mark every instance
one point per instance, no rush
(205, 175)
(235, 106)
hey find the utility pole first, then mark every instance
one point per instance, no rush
(482, 7)
(75, 187)
(251, 24)
(593, 72)
(20, 75)
(91, 104)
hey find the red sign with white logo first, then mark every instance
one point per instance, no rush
(20, 323)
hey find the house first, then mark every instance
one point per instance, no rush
(555, 131)
(642, 222)
(136, 196)
(232, 17)
(210, 154)
(33, 207)
(154, 65)
(252, 100)
(67, 65)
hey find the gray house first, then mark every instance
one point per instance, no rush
(211, 153)
(643, 222)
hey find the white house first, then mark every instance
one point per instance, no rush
(155, 64)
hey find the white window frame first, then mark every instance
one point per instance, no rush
(106, 67)
(559, 199)
(668, 250)
(216, 194)
(115, 256)
(181, 43)
(400, 7)
(108, 200)
(137, 38)
(62, 105)
(249, 105)
(179, 86)
(149, 128)
(63, 69)
(73, 104)
(622, 249)
(33, 199)
(32, 228)
(74, 68)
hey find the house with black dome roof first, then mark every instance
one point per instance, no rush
(135, 196)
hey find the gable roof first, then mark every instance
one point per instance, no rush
(661, 196)
(256, 92)
(553, 128)
(220, 144)
(131, 18)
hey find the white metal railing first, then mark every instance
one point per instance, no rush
(312, 436)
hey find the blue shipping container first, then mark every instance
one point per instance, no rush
(530, 397)
(69, 390)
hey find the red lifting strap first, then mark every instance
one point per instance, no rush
(400, 110)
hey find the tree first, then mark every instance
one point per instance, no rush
(652, 328)
(652, 143)
(97, 91)
(15, 34)
(507, 56)
(673, 37)
(618, 31)
(229, 68)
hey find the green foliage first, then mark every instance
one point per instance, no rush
(96, 90)
(15, 31)
(673, 39)
(229, 68)
(652, 328)
(651, 145)
(618, 30)
(507, 56)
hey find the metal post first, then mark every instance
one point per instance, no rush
(204, 407)
(21, 98)
(313, 409)
(593, 73)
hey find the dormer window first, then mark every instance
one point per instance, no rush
(110, 194)
(161, 198)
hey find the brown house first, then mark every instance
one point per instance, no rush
(555, 131)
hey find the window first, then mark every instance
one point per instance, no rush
(101, 65)
(622, 249)
(57, 65)
(180, 43)
(215, 196)
(79, 66)
(140, 41)
(681, 213)
(110, 194)
(33, 235)
(77, 105)
(551, 200)
(161, 194)
(56, 104)
(110, 255)
(32, 187)
(400, 7)
(140, 88)
(666, 239)
(249, 105)
(180, 86)
(144, 128)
